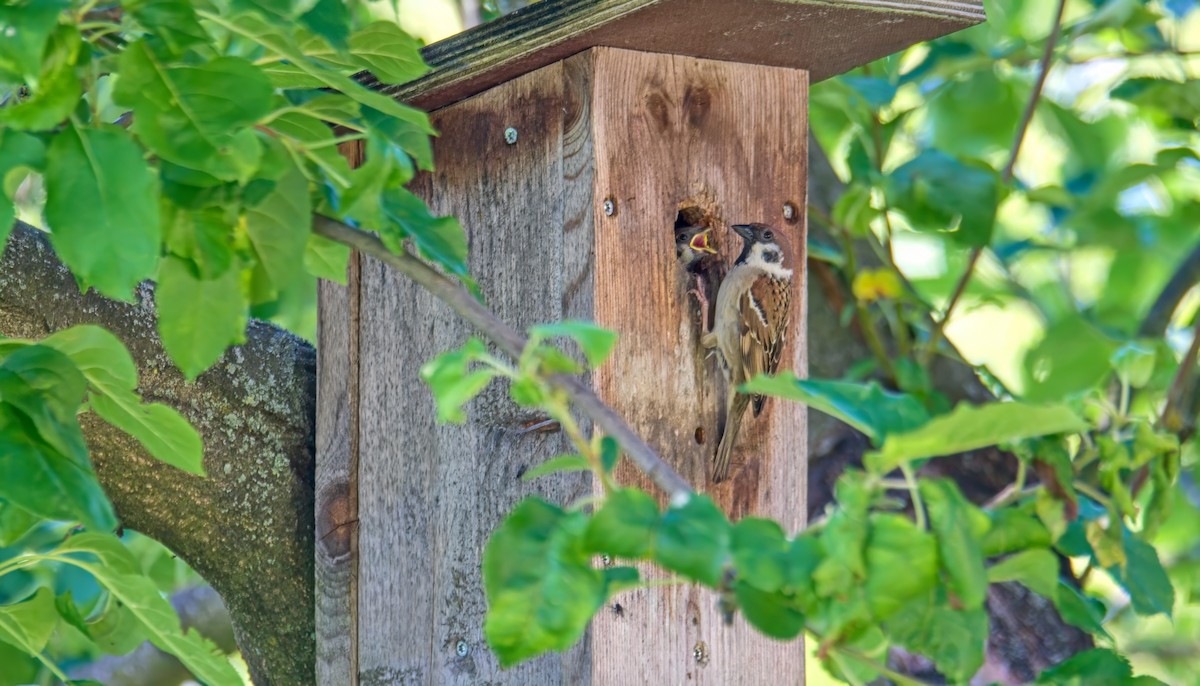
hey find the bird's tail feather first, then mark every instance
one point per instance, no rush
(733, 421)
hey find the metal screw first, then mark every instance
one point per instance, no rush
(462, 648)
(610, 207)
(789, 211)
(510, 135)
(700, 653)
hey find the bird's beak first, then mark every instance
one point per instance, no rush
(744, 230)
(700, 242)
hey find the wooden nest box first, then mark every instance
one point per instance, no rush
(575, 134)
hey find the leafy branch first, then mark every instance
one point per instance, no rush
(1006, 176)
(512, 343)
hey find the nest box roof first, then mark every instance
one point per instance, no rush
(825, 37)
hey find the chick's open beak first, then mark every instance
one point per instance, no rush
(700, 242)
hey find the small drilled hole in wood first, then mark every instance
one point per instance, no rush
(699, 435)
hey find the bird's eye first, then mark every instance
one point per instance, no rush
(768, 236)
(682, 237)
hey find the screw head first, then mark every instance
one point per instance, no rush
(700, 653)
(462, 649)
(789, 211)
(510, 135)
(610, 207)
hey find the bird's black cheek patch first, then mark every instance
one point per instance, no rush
(771, 256)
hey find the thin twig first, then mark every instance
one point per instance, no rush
(1006, 176)
(512, 343)
(1173, 416)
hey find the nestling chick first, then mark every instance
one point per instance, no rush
(697, 256)
(751, 324)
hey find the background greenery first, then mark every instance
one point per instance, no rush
(1066, 248)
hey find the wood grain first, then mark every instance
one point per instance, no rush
(732, 138)
(431, 494)
(651, 132)
(337, 473)
(825, 37)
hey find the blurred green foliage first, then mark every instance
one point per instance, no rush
(1072, 244)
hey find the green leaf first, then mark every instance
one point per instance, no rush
(970, 427)
(844, 539)
(46, 386)
(139, 596)
(198, 319)
(69, 613)
(624, 526)
(1096, 667)
(326, 259)
(1036, 569)
(29, 27)
(957, 525)
(40, 479)
(329, 19)
(45, 467)
(279, 228)
(693, 540)
(15, 522)
(173, 22)
(760, 553)
(112, 375)
(315, 140)
(541, 588)
(557, 465)
(452, 382)
(194, 115)
(411, 126)
(1071, 357)
(29, 623)
(1079, 610)
(617, 579)
(770, 613)
(938, 192)
(866, 407)
(102, 548)
(55, 91)
(440, 239)
(1143, 576)
(610, 454)
(388, 52)
(595, 341)
(953, 639)
(204, 236)
(1013, 529)
(114, 630)
(101, 204)
(896, 543)
(1134, 363)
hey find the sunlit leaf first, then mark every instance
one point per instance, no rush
(970, 427)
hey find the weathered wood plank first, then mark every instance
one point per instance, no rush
(432, 495)
(825, 37)
(337, 474)
(652, 132)
(730, 139)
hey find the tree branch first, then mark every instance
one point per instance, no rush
(512, 343)
(1186, 275)
(1006, 176)
(248, 527)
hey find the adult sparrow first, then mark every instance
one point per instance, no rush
(750, 325)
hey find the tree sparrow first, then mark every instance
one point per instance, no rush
(751, 324)
(698, 257)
